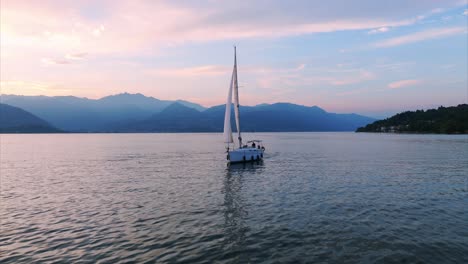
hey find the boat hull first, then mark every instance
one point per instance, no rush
(245, 155)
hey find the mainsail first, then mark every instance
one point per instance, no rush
(227, 115)
(236, 98)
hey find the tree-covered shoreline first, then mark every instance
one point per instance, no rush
(443, 120)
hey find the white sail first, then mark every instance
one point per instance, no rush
(227, 115)
(236, 98)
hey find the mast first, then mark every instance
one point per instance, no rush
(236, 98)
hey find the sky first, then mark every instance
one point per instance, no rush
(365, 56)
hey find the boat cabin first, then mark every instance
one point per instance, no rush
(254, 144)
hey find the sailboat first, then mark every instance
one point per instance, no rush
(254, 149)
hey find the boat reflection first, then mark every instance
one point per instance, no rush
(245, 167)
(236, 205)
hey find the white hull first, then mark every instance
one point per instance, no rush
(245, 155)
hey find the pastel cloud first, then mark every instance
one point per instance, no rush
(421, 36)
(31, 88)
(301, 67)
(204, 70)
(379, 30)
(50, 61)
(404, 83)
(130, 26)
(98, 31)
(76, 56)
(68, 59)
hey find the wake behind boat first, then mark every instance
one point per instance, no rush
(253, 150)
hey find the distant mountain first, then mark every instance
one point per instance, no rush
(82, 114)
(443, 120)
(175, 118)
(138, 113)
(191, 105)
(16, 120)
(279, 117)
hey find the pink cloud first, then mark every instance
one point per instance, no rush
(403, 83)
(145, 26)
(205, 70)
(301, 67)
(76, 56)
(32, 88)
(49, 61)
(421, 36)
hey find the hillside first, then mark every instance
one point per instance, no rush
(16, 120)
(443, 120)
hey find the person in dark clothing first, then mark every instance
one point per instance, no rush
(253, 144)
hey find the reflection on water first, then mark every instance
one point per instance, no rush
(235, 213)
(170, 198)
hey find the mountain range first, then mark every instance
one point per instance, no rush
(138, 113)
(84, 115)
(16, 120)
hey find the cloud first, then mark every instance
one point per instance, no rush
(98, 31)
(76, 56)
(301, 67)
(421, 36)
(68, 59)
(379, 30)
(31, 88)
(205, 70)
(130, 27)
(432, 12)
(23, 84)
(403, 83)
(465, 12)
(437, 10)
(49, 61)
(214, 70)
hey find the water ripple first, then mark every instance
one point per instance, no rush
(170, 198)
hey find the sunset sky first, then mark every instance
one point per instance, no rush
(369, 57)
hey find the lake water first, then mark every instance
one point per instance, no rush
(317, 197)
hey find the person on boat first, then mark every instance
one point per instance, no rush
(253, 144)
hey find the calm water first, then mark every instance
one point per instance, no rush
(317, 197)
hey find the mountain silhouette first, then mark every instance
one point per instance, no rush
(88, 115)
(16, 120)
(280, 117)
(138, 113)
